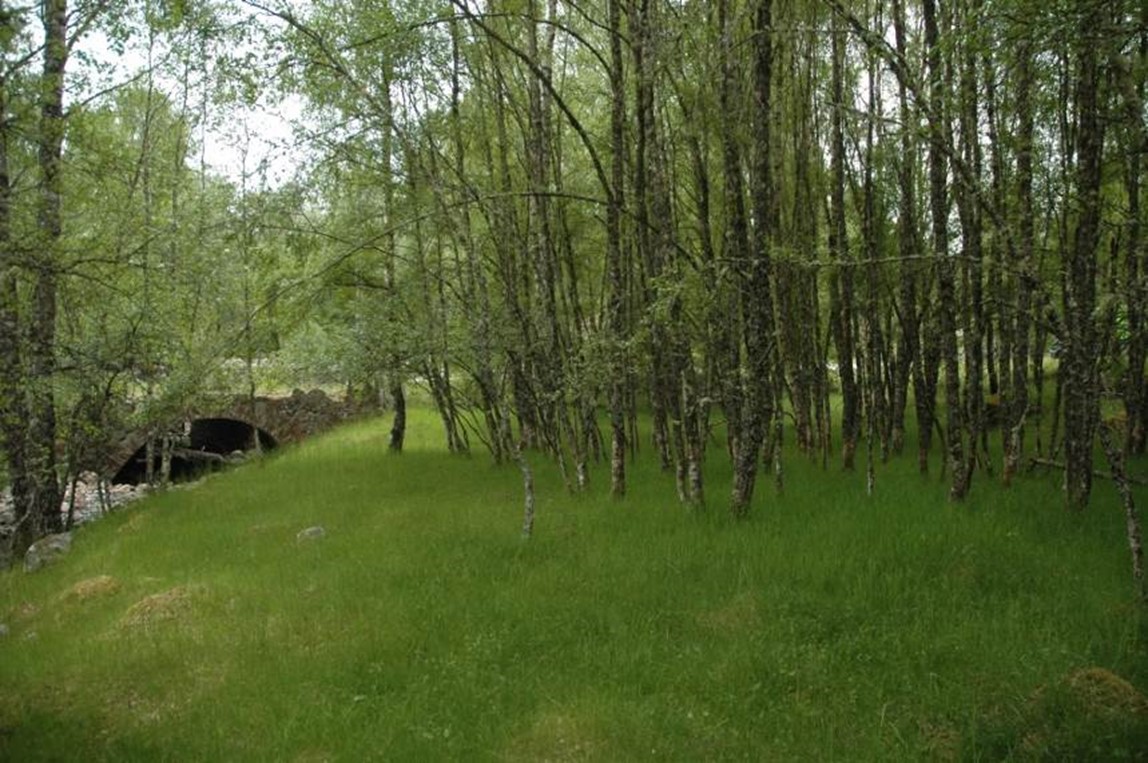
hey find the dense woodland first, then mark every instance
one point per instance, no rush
(862, 227)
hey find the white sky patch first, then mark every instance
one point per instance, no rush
(259, 139)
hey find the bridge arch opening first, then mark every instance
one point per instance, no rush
(206, 445)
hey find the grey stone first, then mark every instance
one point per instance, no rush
(317, 398)
(4, 631)
(311, 533)
(47, 550)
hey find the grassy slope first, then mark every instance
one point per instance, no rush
(828, 626)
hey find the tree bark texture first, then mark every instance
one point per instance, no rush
(841, 305)
(43, 480)
(1079, 368)
(757, 295)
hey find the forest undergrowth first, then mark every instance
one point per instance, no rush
(829, 625)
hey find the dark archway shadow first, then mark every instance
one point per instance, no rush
(208, 444)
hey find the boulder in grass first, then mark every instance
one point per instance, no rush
(47, 550)
(310, 534)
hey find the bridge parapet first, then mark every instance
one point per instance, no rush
(286, 419)
(289, 419)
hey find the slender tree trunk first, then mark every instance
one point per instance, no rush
(519, 457)
(841, 283)
(1131, 515)
(735, 243)
(908, 349)
(1023, 266)
(616, 286)
(393, 373)
(477, 290)
(44, 482)
(698, 387)
(972, 238)
(805, 337)
(1079, 368)
(946, 282)
(399, 419)
(1132, 84)
(507, 242)
(649, 266)
(547, 353)
(13, 403)
(876, 414)
(757, 296)
(1002, 276)
(994, 357)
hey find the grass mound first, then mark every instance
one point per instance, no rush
(91, 588)
(1091, 713)
(829, 626)
(171, 604)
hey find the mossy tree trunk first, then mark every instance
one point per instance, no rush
(13, 403)
(43, 479)
(909, 249)
(615, 275)
(1079, 368)
(759, 335)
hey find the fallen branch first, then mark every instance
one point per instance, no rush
(1095, 472)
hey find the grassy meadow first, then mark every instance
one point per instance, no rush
(829, 626)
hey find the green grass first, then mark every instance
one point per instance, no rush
(829, 626)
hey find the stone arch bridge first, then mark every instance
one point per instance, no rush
(212, 433)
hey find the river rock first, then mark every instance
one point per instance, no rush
(310, 534)
(47, 550)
